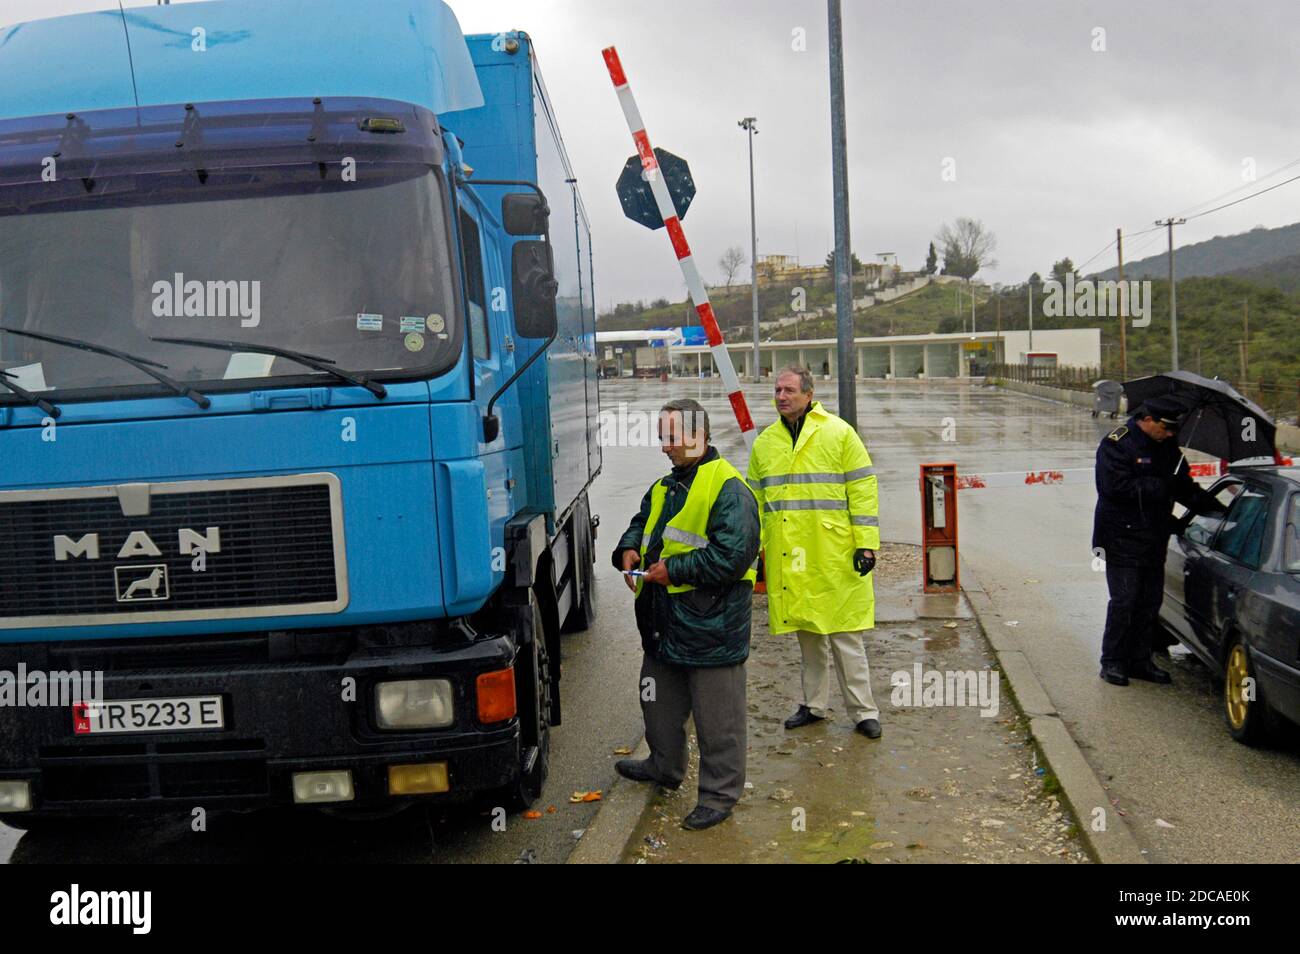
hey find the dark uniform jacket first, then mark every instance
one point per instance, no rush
(1136, 490)
(709, 625)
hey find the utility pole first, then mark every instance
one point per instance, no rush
(1031, 315)
(1243, 346)
(748, 124)
(1123, 309)
(1173, 290)
(972, 304)
(998, 345)
(840, 176)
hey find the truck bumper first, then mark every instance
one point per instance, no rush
(285, 712)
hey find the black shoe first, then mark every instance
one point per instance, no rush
(701, 818)
(802, 716)
(641, 772)
(1150, 673)
(869, 727)
(1114, 675)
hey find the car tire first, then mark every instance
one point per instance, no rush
(1248, 719)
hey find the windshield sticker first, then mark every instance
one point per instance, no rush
(29, 377)
(370, 322)
(245, 364)
(410, 324)
(415, 341)
(436, 323)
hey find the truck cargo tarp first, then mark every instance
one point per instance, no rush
(406, 50)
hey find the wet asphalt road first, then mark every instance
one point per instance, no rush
(1163, 751)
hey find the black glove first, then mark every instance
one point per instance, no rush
(864, 561)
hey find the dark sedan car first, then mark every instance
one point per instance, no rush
(1232, 597)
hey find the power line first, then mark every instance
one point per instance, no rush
(1244, 198)
(1244, 185)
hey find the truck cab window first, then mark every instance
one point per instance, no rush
(476, 301)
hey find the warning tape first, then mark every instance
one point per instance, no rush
(650, 168)
(1030, 478)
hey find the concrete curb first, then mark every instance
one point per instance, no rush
(1080, 787)
(611, 828)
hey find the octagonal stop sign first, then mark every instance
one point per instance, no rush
(639, 202)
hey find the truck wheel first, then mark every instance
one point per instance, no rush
(1247, 718)
(533, 694)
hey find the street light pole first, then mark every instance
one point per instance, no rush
(748, 124)
(843, 264)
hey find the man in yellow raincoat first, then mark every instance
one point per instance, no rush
(816, 491)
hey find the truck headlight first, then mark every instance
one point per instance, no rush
(414, 704)
(15, 796)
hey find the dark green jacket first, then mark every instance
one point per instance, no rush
(709, 625)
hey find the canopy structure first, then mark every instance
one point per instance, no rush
(411, 51)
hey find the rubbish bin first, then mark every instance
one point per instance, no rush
(1107, 398)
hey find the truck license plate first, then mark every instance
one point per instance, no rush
(181, 714)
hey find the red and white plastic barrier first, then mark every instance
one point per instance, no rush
(694, 283)
(1030, 478)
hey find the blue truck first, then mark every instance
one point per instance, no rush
(298, 409)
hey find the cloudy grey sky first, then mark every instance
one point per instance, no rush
(1054, 143)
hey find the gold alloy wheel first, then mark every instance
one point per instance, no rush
(1233, 687)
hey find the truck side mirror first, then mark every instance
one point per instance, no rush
(533, 278)
(525, 213)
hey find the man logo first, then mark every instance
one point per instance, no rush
(141, 584)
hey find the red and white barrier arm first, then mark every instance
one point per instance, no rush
(695, 284)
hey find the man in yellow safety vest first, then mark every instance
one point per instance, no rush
(817, 491)
(695, 539)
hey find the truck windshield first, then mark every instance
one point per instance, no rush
(356, 271)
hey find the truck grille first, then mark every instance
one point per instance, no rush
(278, 549)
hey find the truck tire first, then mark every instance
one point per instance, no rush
(533, 687)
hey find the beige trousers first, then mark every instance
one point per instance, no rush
(850, 666)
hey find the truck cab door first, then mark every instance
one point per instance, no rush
(484, 339)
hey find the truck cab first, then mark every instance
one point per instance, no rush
(297, 418)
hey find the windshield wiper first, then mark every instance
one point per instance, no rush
(28, 396)
(309, 360)
(144, 364)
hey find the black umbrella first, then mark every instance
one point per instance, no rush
(1219, 421)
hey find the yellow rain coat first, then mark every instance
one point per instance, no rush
(819, 504)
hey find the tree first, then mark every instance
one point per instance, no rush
(967, 247)
(1063, 268)
(1035, 279)
(931, 261)
(730, 263)
(855, 266)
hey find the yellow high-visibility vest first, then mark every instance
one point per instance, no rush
(689, 528)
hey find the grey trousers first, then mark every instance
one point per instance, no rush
(715, 696)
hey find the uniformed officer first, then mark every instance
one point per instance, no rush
(1140, 473)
